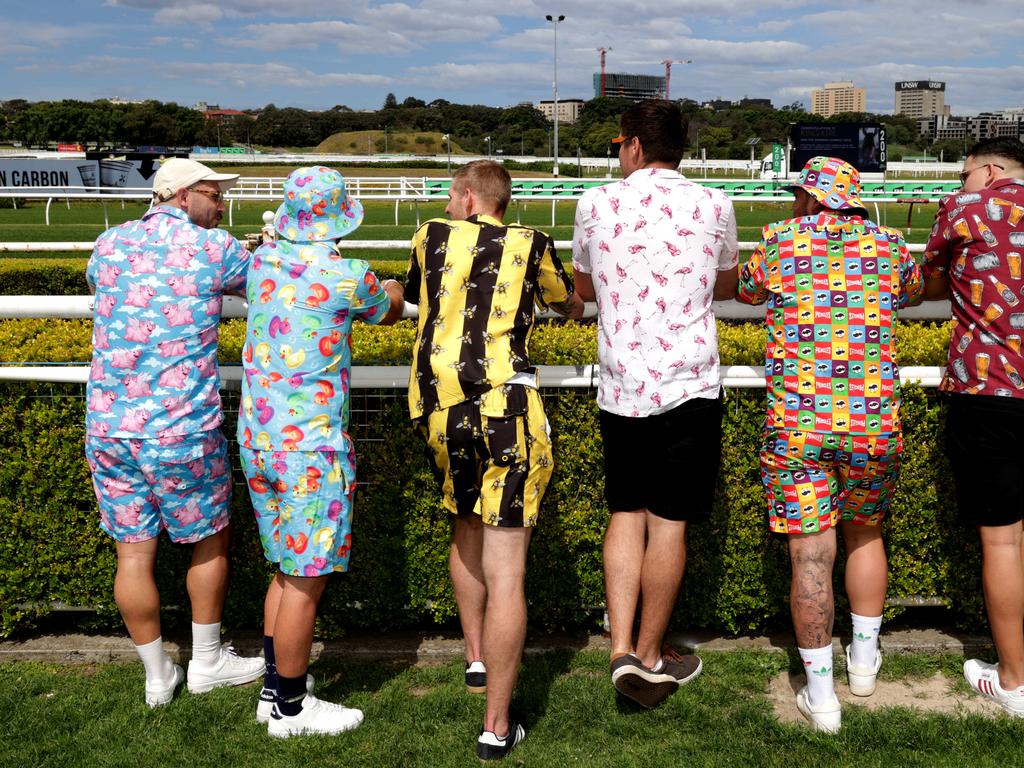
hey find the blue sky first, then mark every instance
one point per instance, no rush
(315, 53)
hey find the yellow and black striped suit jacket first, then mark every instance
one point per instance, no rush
(476, 283)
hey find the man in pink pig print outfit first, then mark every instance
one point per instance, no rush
(292, 429)
(153, 415)
(654, 250)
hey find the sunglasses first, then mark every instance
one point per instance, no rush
(215, 196)
(967, 174)
(619, 142)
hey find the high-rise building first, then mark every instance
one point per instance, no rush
(921, 98)
(636, 87)
(568, 110)
(834, 98)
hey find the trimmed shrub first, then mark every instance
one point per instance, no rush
(52, 550)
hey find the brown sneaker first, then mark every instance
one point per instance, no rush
(639, 683)
(683, 667)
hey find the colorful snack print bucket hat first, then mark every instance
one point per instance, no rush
(832, 182)
(316, 207)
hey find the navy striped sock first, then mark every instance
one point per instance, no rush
(270, 675)
(290, 693)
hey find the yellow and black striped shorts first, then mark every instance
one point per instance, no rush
(492, 455)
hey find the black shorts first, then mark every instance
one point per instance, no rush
(667, 463)
(985, 445)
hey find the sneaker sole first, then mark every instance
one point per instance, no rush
(287, 734)
(476, 688)
(648, 694)
(861, 685)
(223, 683)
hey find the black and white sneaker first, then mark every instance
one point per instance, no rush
(476, 677)
(641, 684)
(490, 747)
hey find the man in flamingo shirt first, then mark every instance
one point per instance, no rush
(153, 415)
(654, 250)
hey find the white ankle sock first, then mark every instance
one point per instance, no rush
(205, 641)
(818, 666)
(157, 664)
(865, 640)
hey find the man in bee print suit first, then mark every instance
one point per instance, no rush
(974, 253)
(298, 458)
(833, 281)
(473, 397)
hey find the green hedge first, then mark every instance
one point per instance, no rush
(51, 550)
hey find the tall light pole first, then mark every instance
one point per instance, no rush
(448, 137)
(555, 21)
(487, 139)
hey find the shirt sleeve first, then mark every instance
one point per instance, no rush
(752, 288)
(936, 259)
(370, 302)
(911, 282)
(415, 273)
(236, 265)
(730, 253)
(581, 236)
(554, 286)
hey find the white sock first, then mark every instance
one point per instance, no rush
(205, 641)
(818, 666)
(865, 640)
(157, 664)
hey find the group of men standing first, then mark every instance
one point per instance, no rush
(654, 251)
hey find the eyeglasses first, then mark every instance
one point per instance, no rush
(619, 142)
(217, 197)
(965, 175)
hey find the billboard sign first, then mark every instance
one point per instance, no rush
(860, 144)
(98, 171)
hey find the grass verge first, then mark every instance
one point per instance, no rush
(421, 716)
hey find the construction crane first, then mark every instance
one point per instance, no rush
(668, 72)
(602, 51)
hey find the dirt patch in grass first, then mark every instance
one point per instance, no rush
(936, 694)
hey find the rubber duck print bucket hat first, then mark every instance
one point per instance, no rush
(316, 207)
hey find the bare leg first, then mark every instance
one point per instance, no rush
(811, 602)
(1002, 579)
(135, 590)
(504, 568)
(272, 603)
(624, 544)
(663, 565)
(464, 563)
(867, 573)
(207, 579)
(293, 622)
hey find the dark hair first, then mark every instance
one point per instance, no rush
(1002, 146)
(488, 179)
(661, 128)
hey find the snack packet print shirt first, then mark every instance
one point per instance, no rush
(297, 358)
(159, 283)
(833, 285)
(978, 240)
(654, 244)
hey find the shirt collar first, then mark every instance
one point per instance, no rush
(483, 218)
(167, 210)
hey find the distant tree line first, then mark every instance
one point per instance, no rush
(514, 130)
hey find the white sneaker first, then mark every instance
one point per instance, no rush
(159, 692)
(862, 679)
(825, 717)
(227, 669)
(266, 703)
(316, 716)
(984, 678)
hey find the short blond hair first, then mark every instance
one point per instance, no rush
(489, 181)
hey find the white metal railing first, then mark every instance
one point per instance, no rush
(397, 376)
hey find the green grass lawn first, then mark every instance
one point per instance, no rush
(421, 716)
(83, 221)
